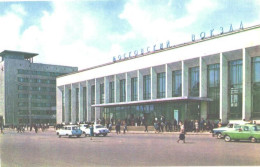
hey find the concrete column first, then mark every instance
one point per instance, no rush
(97, 99)
(58, 105)
(140, 85)
(153, 83)
(246, 105)
(106, 89)
(88, 87)
(223, 88)
(117, 89)
(185, 79)
(168, 79)
(80, 102)
(66, 101)
(128, 87)
(73, 104)
(203, 78)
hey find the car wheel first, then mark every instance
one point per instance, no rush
(253, 140)
(219, 135)
(104, 134)
(227, 138)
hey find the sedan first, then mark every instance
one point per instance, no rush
(245, 132)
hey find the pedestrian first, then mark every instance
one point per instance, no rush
(2, 129)
(125, 128)
(118, 127)
(196, 126)
(36, 128)
(182, 133)
(145, 126)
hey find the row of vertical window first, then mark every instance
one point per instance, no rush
(34, 80)
(37, 96)
(26, 104)
(36, 112)
(41, 73)
(36, 88)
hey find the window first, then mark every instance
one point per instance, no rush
(93, 100)
(102, 93)
(194, 81)
(111, 92)
(147, 87)
(161, 85)
(176, 83)
(255, 88)
(122, 91)
(213, 90)
(134, 89)
(235, 89)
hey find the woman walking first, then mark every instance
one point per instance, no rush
(182, 133)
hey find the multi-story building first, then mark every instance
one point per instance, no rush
(215, 77)
(27, 89)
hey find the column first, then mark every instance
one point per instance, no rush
(168, 79)
(140, 85)
(73, 104)
(128, 87)
(106, 89)
(203, 78)
(117, 89)
(153, 83)
(203, 88)
(246, 105)
(97, 99)
(66, 101)
(185, 79)
(88, 88)
(223, 88)
(58, 105)
(81, 119)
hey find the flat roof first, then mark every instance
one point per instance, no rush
(169, 48)
(26, 55)
(172, 99)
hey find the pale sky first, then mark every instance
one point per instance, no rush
(86, 33)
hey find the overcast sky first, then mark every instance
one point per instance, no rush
(85, 33)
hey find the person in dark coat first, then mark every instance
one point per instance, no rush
(118, 127)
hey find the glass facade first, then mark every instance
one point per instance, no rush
(147, 87)
(111, 92)
(84, 103)
(134, 89)
(77, 104)
(255, 88)
(63, 107)
(122, 90)
(194, 81)
(235, 89)
(176, 83)
(161, 85)
(213, 90)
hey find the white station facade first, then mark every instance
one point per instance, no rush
(211, 78)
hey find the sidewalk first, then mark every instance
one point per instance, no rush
(162, 133)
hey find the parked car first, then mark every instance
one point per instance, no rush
(69, 130)
(232, 125)
(245, 132)
(98, 129)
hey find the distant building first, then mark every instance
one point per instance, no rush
(27, 89)
(212, 78)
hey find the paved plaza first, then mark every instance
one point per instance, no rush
(131, 149)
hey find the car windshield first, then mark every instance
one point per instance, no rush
(256, 128)
(237, 127)
(230, 125)
(75, 128)
(100, 126)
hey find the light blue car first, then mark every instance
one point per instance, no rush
(69, 130)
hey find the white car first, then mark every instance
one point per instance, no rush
(69, 130)
(98, 129)
(230, 126)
